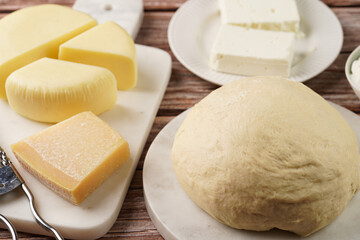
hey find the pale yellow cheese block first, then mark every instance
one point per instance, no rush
(36, 32)
(73, 157)
(50, 90)
(107, 45)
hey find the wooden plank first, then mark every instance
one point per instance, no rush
(185, 91)
(160, 5)
(174, 4)
(342, 3)
(149, 5)
(349, 18)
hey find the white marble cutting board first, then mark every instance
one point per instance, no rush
(177, 217)
(132, 117)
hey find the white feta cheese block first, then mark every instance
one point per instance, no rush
(275, 15)
(243, 51)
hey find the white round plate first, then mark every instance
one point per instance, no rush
(177, 217)
(193, 28)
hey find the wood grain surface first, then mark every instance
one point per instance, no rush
(185, 89)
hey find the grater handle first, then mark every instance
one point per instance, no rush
(39, 220)
(10, 227)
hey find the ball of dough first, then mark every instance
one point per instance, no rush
(265, 152)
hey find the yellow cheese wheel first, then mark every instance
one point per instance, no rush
(50, 90)
(71, 167)
(107, 45)
(36, 32)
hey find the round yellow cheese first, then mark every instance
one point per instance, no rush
(109, 46)
(50, 90)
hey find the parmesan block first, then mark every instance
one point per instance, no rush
(243, 51)
(275, 15)
(50, 90)
(71, 167)
(36, 32)
(107, 45)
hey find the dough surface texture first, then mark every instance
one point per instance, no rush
(265, 152)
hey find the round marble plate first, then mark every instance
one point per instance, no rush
(194, 26)
(177, 217)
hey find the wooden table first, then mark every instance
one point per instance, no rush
(185, 89)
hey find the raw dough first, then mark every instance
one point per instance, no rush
(265, 152)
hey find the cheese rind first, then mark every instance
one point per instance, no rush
(71, 167)
(107, 45)
(51, 90)
(242, 51)
(36, 32)
(276, 15)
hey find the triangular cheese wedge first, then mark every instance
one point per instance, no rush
(51, 90)
(107, 45)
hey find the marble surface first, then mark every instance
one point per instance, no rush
(132, 117)
(126, 13)
(177, 217)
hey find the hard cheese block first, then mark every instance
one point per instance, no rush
(50, 90)
(109, 46)
(276, 15)
(73, 157)
(245, 51)
(36, 32)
